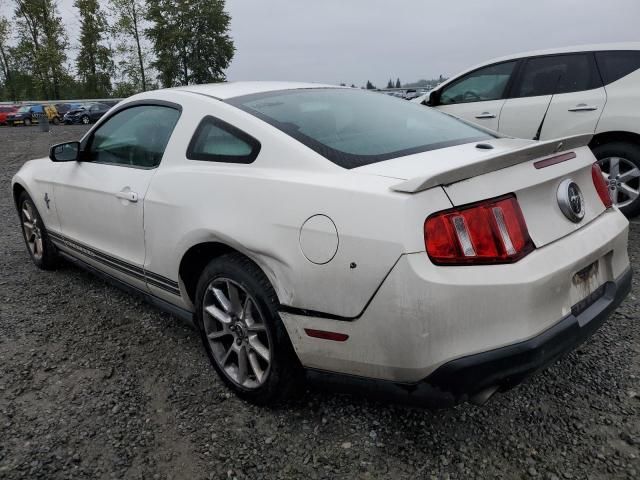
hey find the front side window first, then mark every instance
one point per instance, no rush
(617, 64)
(217, 141)
(556, 74)
(488, 83)
(352, 128)
(136, 136)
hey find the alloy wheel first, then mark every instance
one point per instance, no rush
(237, 334)
(31, 229)
(623, 179)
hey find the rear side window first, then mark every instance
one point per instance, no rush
(557, 74)
(218, 141)
(617, 64)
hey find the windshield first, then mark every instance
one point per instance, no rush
(353, 128)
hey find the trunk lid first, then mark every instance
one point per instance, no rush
(469, 174)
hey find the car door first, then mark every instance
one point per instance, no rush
(559, 95)
(100, 199)
(478, 96)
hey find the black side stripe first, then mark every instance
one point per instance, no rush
(128, 269)
(162, 279)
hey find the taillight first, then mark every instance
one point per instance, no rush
(601, 185)
(489, 232)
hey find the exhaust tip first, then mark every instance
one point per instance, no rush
(481, 397)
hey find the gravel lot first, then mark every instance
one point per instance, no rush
(96, 384)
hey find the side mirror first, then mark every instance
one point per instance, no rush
(434, 98)
(65, 152)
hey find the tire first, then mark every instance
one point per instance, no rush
(626, 156)
(41, 250)
(27, 122)
(85, 120)
(282, 374)
(55, 121)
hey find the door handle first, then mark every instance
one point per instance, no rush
(583, 107)
(128, 195)
(486, 115)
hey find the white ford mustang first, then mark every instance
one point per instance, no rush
(347, 234)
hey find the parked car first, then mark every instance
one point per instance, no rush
(5, 110)
(32, 114)
(65, 107)
(554, 93)
(338, 231)
(87, 113)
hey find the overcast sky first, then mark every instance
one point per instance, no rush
(354, 41)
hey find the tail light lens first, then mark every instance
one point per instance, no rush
(601, 185)
(489, 232)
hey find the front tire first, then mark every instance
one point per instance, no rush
(620, 162)
(242, 332)
(85, 120)
(41, 250)
(27, 122)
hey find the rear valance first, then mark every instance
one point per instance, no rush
(491, 164)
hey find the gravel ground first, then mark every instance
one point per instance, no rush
(96, 384)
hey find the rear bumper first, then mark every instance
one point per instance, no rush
(507, 366)
(499, 369)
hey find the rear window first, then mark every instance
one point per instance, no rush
(353, 128)
(617, 64)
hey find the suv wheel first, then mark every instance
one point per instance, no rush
(85, 120)
(620, 162)
(42, 251)
(27, 122)
(242, 332)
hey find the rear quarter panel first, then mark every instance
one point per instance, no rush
(258, 209)
(622, 110)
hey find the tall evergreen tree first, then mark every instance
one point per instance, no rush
(390, 84)
(370, 86)
(190, 40)
(398, 84)
(94, 62)
(128, 26)
(5, 67)
(44, 47)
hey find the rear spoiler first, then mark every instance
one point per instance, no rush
(491, 164)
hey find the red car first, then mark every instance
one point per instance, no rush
(4, 111)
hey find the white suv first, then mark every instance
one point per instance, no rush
(555, 93)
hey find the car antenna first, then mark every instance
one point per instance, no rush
(544, 117)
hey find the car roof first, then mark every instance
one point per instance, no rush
(551, 51)
(227, 90)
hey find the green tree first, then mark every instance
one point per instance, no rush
(128, 27)
(370, 86)
(390, 84)
(190, 40)
(398, 84)
(9, 87)
(94, 62)
(43, 47)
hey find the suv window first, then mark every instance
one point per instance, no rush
(136, 136)
(217, 141)
(617, 64)
(557, 74)
(488, 83)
